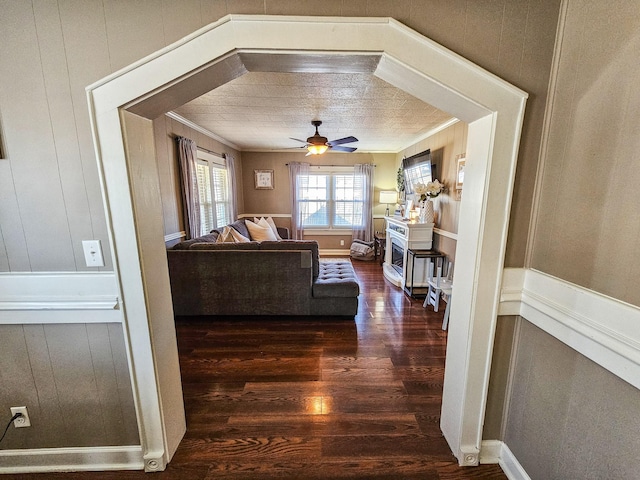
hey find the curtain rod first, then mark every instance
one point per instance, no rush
(221, 155)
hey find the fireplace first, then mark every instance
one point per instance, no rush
(402, 235)
(397, 256)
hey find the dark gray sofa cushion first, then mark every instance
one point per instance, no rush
(336, 279)
(225, 246)
(311, 245)
(186, 245)
(241, 227)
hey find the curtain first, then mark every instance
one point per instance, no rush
(233, 200)
(187, 154)
(364, 173)
(297, 172)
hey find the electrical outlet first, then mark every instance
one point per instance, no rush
(342, 242)
(93, 253)
(24, 420)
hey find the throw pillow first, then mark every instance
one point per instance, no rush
(237, 236)
(271, 224)
(226, 236)
(259, 232)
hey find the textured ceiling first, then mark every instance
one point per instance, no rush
(262, 110)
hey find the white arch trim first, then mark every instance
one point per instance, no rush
(230, 47)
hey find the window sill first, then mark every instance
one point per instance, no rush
(327, 231)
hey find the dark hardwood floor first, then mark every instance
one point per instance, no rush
(320, 398)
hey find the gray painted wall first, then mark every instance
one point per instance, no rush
(74, 380)
(568, 417)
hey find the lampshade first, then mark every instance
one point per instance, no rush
(388, 196)
(317, 149)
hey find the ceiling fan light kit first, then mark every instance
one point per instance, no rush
(317, 144)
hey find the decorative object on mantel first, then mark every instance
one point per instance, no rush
(426, 193)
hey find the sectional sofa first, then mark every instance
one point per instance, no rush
(283, 277)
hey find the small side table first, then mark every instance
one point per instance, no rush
(431, 255)
(380, 240)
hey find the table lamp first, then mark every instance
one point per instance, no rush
(388, 197)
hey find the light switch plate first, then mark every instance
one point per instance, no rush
(93, 253)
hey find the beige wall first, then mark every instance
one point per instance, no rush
(50, 197)
(278, 201)
(52, 50)
(166, 130)
(587, 230)
(445, 146)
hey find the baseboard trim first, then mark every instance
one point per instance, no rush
(335, 252)
(495, 451)
(71, 459)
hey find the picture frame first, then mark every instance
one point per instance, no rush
(460, 164)
(263, 179)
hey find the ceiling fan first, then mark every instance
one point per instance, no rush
(317, 144)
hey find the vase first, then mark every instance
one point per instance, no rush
(427, 214)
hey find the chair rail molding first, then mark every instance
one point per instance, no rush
(59, 297)
(599, 327)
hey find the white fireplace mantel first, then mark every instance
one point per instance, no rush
(407, 234)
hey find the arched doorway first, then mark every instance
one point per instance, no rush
(123, 105)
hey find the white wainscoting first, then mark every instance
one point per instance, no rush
(71, 459)
(59, 297)
(601, 328)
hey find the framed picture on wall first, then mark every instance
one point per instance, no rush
(263, 179)
(460, 162)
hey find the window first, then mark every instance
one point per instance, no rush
(213, 191)
(331, 200)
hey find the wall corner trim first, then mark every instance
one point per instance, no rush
(496, 451)
(599, 327)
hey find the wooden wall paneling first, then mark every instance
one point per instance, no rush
(442, 22)
(74, 375)
(47, 416)
(105, 382)
(328, 8)
(87, 60)
(212, 10)
(129, 427)
(532, 75)
(63, 124)
(34, 163)
(133, 30)
(180, 22)
(483, 33)
(18, 387)
(14, 255)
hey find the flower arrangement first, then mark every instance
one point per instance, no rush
(430, 190)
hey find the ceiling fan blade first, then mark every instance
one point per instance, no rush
(343, 149)
(340, 141)
(298, 140)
